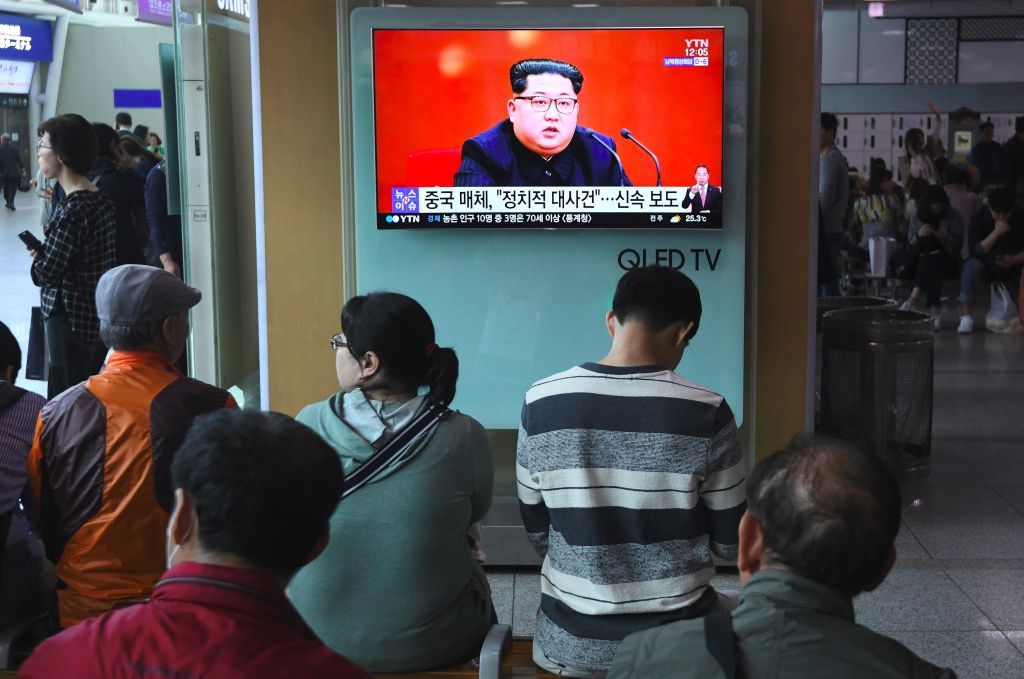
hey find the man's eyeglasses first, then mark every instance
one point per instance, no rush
(563, 105)
(338, 341)
(41, 145)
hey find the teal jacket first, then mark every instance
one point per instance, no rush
(786, 627)
(396, 589)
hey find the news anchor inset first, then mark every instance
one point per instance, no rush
(540, 144)
(702, 196)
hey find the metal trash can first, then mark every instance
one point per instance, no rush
(876, 384)
(825, 305)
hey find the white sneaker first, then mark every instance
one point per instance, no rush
(937, 322)
(966, 325)
(907, 306)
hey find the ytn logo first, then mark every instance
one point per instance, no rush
(698, 42)
(404, 219)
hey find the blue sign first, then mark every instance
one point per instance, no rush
(24, 39)
(137, 99)
(405, 200)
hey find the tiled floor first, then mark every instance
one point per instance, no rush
(956, 596)
(17, 293)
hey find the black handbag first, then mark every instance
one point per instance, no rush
(35, 358)
(24, 184)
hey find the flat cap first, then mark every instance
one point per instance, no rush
(136, 294)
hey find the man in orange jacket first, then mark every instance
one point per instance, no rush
(100, 462)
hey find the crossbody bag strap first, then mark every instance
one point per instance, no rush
(395, 448)
(720, 641)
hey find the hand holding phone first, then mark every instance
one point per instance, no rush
(30, 241)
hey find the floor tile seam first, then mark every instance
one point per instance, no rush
(975, 603)
(919, 541)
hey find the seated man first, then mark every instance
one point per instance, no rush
(820, 527)
(629, 478)
(540, 144)
(99, 466)
(254, 494)
(995, 241)
(26, 579)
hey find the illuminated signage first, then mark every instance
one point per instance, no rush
(24, 39)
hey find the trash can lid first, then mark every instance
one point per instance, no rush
(878, 324)
(827, 304)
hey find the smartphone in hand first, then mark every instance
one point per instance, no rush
(30, 241)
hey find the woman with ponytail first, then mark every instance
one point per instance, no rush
(397, 589)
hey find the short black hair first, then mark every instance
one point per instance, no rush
(123, 119)
(829, 511)
(829, 122)
(10, 351)
(106, 141)
(527, 67)
(657, 296)
(72, 139)
(987, 125)
(263, 486)
(1001, 200)
(398, 329)
(700, 166)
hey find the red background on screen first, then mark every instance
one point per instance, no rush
(433, 89)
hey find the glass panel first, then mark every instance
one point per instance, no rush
(215, 109)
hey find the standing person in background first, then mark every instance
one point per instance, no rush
(134, 156)
(987, 154)
(833, 187)
(1013, 161)
(123, 123)
(141, 134)
(164, 228)
(44, 192)
(155, 145)
(80, 244)
(125, 190)
(11, 169)
(916, 162)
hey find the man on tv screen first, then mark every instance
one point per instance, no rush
(540, 144)
(702, 196)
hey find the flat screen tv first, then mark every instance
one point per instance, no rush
(548, 127)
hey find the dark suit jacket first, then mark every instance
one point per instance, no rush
(496, 158)
(713, 200)
(10, 161)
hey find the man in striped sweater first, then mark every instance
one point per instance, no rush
(629, 478)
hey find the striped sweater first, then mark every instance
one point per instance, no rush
(628, 480)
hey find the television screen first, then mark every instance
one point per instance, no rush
(16, 76)
(549, 128)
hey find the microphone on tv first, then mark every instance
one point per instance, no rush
(622, 172)
(629, 135)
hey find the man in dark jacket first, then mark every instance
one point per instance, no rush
(820, 528)
(540, 144)
(11, 169)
